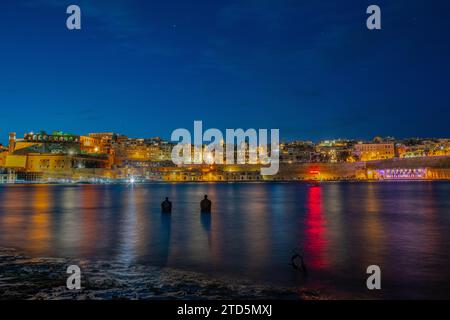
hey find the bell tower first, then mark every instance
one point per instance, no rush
(12, 141)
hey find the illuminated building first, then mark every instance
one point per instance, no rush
(3, 158)
(296, 152)
(334, 151)
(400, 173)
(34, 167)
(90, 145)
(166, 150)
(135, 149)
(105, 140)
(374, 151)
(7, 176)
(412, 148)
(40, 155)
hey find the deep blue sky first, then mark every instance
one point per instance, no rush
(145, 68)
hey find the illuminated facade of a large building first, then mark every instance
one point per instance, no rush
(40, 155)
(374, 151)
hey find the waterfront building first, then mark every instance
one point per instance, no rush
(7, 176)
(3, 155)
(41, 155)
(166, 148)
(335, 150)
(35, 166)
(135, 149)
(91, 145)
(296, 152)
(374, 151)
(412, 148)
(106, 140)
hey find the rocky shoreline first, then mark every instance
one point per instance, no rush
(27, 278)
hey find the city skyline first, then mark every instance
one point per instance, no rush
(312, 70)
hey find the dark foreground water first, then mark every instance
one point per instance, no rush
(255, 228)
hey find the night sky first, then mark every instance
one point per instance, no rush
(144, 68)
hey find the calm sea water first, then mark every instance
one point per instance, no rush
(255, 228)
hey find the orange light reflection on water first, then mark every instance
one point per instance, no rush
(39, 229)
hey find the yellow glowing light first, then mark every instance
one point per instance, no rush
(209, 157)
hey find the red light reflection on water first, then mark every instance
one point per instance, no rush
(315, 242)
